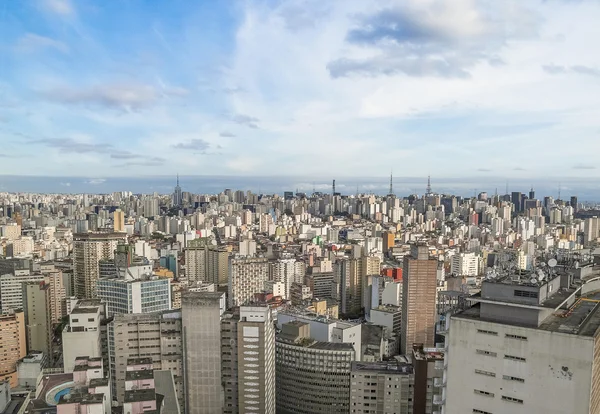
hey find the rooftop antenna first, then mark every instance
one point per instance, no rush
(559, 190)
(506, 186)
(428, 190)
(391, 182)
(496, 192)
(177, 179)
(356, 190)
(333, 187)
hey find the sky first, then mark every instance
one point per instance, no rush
(496, 90)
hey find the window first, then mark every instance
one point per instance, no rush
(509, 378)
(511, 399)
(484, 393)
(514, 358)
(483, 331)
(519, 337)
(488, 353)
(476, 411)
(481, 372)
(526, 294)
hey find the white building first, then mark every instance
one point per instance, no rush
(526, 348)
(11, 288)
(465, 264)
(82, 336)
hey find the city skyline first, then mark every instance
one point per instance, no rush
(467, 88)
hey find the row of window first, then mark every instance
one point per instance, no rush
(504, 397)
(494, 333)
(494, 354)
(504, 377)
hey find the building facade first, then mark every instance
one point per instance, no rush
(88, 250)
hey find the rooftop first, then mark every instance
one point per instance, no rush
(141, 374)
(139, 361)
(140, 395)
(391, 367)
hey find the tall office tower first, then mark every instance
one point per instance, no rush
(360, 268)
(119, 221)
(382, 388)
(531, 194)
(526, 346)
(83, 334)
(13, 342)
(157, 336)
(177, 195)
(11, 288)
(247, 276)
(88, 250)
(465, 264)
(201, 319)
(515, 198)
(312, 376)
(341, 275)
(388, 241)
(145, 294)
(591, 230)
(58, 296)
(419, 292)
(205, 263)
(286, 271)
(573, 204)
(38, 318)
(229, 360)
(93, 222)
(256, 366)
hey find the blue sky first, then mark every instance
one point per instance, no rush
(343, 88)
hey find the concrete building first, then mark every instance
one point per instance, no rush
(155, 336)
(11, 288)
(327, 330)
(428, 395)
(389, 316)
(14, 343)
(119, 221)
(201, 316)
(38, 318)
(144, 295)
(247, 276)
(229, 361)
(286, 271)
(82, 336)
(58, 296)
(465, 264)
(206, 263)
(531, 346)
(419, 293)
(312, 376)
(88, 250)
(382, 388)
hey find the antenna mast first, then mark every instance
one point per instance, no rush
(428, 190)
(391, 183)
(333, 187)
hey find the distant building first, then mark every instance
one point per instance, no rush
(247, 276)
(14, 343)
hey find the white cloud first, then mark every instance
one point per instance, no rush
(60, 7)
(32, 42)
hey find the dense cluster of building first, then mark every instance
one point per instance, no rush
(294, 303)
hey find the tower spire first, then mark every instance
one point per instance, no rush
(391, 182)
(177, 179)
(428, 190)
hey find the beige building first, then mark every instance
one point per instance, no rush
(247, 276)
(206, 263)
(38, 317)
(88, 250)
(201, 322)
(155, 335)
(14, 343)
(119, 221)
(419, 293)
(58, 296)
(11, 231)
(360, 268)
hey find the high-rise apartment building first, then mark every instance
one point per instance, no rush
(591, 230)
(13, 342)
(157, 336)
(287, 271)
(526, 346)
(206, 263)
(144, 295)
(229, 361)
(201, 321)
(465, 264)
(382, 388)
(38, 317)
(360, 268)
(419, 292)
(312, 376)
(88, 250)
(11, 288)
(119, 221)
(247, 276)
(83, 335)
(58, 296)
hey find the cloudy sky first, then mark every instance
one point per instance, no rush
(298, 87)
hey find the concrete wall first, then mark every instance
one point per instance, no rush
(557, 371)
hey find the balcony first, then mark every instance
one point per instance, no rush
(439, 365)
(438, 382)
(438, 399)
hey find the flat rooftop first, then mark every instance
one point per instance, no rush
(137, 375)
(582, 318)
(140, 395)
(391, 367)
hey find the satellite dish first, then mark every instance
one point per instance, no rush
(533, 280)
(542, 264)
(552, 262)
(541, 275)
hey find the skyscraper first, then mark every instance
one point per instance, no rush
(38, 317)
(247, 276)
(14, 343)
(201, 321)
(88, 250)
(119, 221)
(419, 291)
(177, 195)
